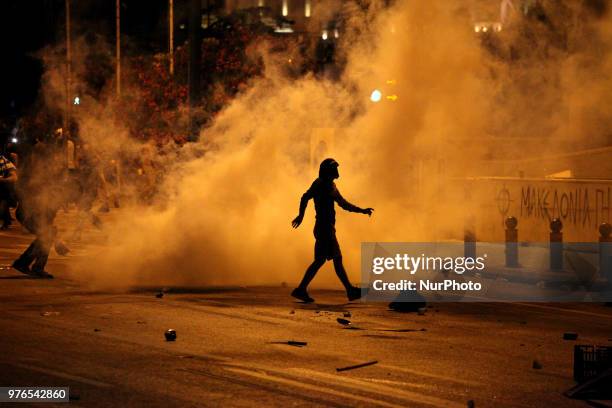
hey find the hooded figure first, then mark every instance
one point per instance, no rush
(325, 194)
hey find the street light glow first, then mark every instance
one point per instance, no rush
(376, 96)
(14, 140)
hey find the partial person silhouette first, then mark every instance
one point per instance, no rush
(325, 193)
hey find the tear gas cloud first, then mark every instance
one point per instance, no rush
(223, 217)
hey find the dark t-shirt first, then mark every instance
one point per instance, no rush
(325, 193)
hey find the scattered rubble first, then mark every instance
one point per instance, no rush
(159, 295)
(404, 330)
(170, 335)
(570, 336)
(408, 301)
(291, 343)
(292, 312)
(61, 248)
(369, 363)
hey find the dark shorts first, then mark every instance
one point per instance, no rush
(326, 244)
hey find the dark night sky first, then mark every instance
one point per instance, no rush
(29, 25)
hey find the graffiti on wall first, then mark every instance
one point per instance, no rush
(584, 205)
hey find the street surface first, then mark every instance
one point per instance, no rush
(231, 348)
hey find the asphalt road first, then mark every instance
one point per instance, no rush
(231, 348)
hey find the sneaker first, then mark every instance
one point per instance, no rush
(23, 268)
(302, 295)
(42, 274)
(353, 293)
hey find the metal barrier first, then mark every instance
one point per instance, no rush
(556, 245)
(511, 242)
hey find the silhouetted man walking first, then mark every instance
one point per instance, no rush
(324, 193)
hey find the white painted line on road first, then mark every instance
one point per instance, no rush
(420, 373)
(311, 387)
(351, 382)
(60, 374)
(395, 383)
(381, 389)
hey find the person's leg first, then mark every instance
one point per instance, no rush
(310, 273)
(45, 235)
(42, 255)
(5, 198)
(44, 242)
(22, 264)
(341, 272)
(352, 292)
(300, 292)
(103, 192)
(5, 215)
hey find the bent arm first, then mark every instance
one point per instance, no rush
(345, 205)
(304, 203)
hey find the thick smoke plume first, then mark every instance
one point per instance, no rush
(223, 217)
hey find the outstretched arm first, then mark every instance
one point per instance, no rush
(303, 204)
(345, 205)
